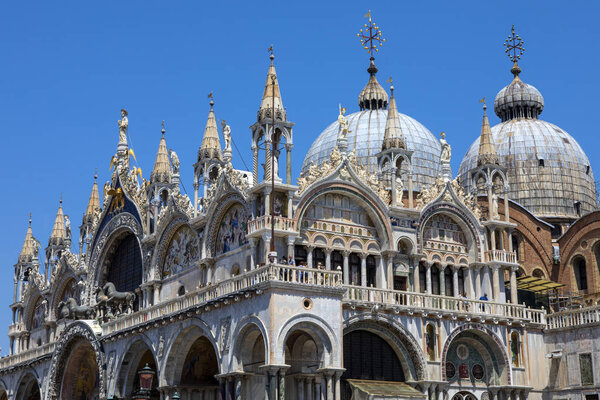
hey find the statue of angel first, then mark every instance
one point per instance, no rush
(123, 125)
(68, 226)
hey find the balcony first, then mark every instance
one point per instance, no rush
(427, 304)
(228, 289)
(27, 355)
(15, 329)
(501, 256)
(282, 224)
(576, 317)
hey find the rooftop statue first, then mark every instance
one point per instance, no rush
(446, 149)
(226, 135)
(123, 125)
(343, 121)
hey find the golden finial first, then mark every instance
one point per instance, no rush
(391, 82)
(210, 95)
(443, 134)
(371, 37)
(483, 101)
(514, 50)
(163, 125)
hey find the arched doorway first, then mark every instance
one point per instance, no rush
(304, 356)
(367, 356)
(475, 357)
(249, 353)
(80, 378)
(139, 356)
(29, 388)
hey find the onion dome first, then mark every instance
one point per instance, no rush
(161, 173)
(211, 144)
(393, 137)
(28, 249)
(59, 234)
(270, 98)
(487, 149)
(373, 96)
(518, 100)
(93, 203)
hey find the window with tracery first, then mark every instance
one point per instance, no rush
(125, 269)
(442, 233)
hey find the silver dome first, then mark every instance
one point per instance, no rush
(366, 135)
(548, 190)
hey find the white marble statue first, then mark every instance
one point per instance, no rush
(68, 226)
(123, 125)
(174, 161)
(494, 208)
(446, 149)
(226, 135)
(343, 122)
(399, 187)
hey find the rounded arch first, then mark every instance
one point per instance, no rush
(34, 301)
(489, 346)
(398, 337)
(28, 387)
(181, 237)
(405, 245)
(75, 333)
(580, 271)
(216, 215)
(246, 332)
(65, 287)
(139, 352)
(368, 201)
(189, 332)
(315, 327)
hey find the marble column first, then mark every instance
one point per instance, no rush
(513, 285)
(496, 281)
(390, 271)
(309, 256)
(417, 278)
(363, 270)
(290, 205)
(328, 259)
(428, 265)
(442, 269)
(346, 270)
(492, 231)
(455, 280)
(410, 190)
(255, 164)
(252, 253)
(477, 269)
(288, 159)
(290, 247)
(469, 282)
(300, 387)
(381, 281)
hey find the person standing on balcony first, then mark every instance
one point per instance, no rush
(483, 298)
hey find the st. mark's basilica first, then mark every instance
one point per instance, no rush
(377, 275)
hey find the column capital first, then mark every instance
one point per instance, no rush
(346, 253)
(514, 268)
(291, 240)
(363, 256)
(289, 146)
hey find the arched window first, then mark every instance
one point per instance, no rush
(515, 349)
(125, 269)
(448, 281)
(516, 243)
(430, 341)
(579, 268)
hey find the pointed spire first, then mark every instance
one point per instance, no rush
(393, 137)
(161, 173)
(266, 105)
(93, 202)
(487, 149)
(211, 144)
(28, 249)
(59, 234)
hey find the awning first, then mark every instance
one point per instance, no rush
(375, 390)
(534, 284)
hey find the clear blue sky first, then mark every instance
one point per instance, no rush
(68, 67)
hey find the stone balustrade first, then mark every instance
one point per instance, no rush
(501, 256)
(15, 329)
(264, 222)
(340, 227)
(26, 355)
(574, 317)
(424, 303)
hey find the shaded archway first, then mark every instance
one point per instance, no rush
(304, 354)
(473, 355)
(28, 389)
(81, 377)
(137, 357)
(249, 355)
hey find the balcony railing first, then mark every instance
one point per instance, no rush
(574, 317)
(26, 355)
(14, 329)
(264, 222)
(248, 280)
(409, 301)
(501, 256)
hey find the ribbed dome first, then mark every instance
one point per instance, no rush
(548, 172)
(518, 100)
(366, 136)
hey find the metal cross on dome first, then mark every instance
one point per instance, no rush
(514, 44)
(371, 37)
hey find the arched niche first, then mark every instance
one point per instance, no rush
(181, 251)
(81, 376)
(28, 388)
(446, 233)
(138, 356)
(228, 225)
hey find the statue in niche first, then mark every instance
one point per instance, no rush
(399, 186)
(226, 135)
(343, 122)
(68, 226)
(277, 205)
(446, 149)
(123, 125)
(494, 206)
(174, 161)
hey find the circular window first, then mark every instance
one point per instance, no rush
(478, 371)
(307, 303)
(450, 370)
(462, 351)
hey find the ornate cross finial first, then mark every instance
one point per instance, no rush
(371, 37)
(514, 44)
(212, 103)
(391, 82)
